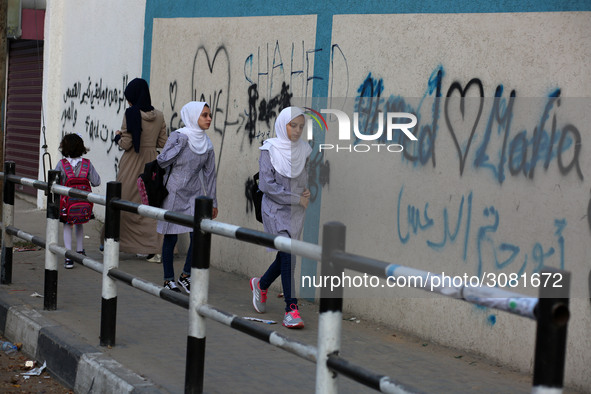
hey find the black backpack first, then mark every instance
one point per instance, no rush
(257, 197)
(151, 184)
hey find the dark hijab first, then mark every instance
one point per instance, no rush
(138, 94)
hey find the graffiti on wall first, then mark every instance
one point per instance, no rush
(84, 105)
(484, 141)
(274, 73)
(264, 111)
(296, 75)
(494, 250)
(175, 120)
(499, 151)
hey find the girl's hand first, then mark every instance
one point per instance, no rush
(304, 201)
(214, 213)
(306, 193)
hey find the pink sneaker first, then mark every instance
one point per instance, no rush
(259, 297)
(292, 319)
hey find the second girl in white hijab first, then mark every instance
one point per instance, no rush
(283, 179)
(187, 154)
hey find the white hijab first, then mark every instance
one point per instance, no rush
(199, 142)
(287, 157)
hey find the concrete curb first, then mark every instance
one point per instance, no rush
(78, 365)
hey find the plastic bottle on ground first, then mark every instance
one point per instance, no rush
(8, 347)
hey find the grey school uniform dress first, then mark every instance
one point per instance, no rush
(281, 209)
(184, 184)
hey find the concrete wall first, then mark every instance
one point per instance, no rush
(472, 207)
(469, 197)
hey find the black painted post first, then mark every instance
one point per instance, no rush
(552, 316)
(8, 220)
(195, 364)
(51, 238)
(110, 260)
(331, 308)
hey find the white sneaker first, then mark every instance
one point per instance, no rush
(156, 258)
(259, 297)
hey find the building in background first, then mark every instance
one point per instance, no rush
(24, 84)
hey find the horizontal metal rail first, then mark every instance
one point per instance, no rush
(40, 185)
(60, 250)
(382, 383)
(236, 322)
(491, 297)
(173, 297)
(77, 193)
(262, 238)
(272, 337)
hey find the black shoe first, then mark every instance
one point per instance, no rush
(68, 264)
(185, 282)
(171, 285)
(83, 252)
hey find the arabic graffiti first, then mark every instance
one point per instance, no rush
(88, 104)
(495, 251)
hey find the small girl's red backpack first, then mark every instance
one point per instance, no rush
(74, 210)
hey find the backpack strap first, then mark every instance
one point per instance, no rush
(68, 169)
(169, 172)
(84, 168)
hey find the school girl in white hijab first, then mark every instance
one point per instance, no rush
(283, 179)
(187, 154)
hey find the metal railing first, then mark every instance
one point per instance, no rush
(550, 310)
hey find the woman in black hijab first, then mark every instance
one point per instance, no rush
(137, 94)
(142, 132)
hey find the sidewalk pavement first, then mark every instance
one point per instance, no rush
(151, 335)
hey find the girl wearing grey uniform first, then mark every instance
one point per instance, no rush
(187, 154)
(283, 179)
